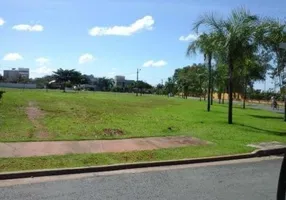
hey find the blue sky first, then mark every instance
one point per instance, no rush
(109, 37)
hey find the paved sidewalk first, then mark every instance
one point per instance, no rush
(27, 149)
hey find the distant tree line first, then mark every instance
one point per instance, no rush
(65, 78)
(265, 95)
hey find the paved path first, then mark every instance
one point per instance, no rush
(27, 149)
(247, 180)
(260, 106)
(266, 107)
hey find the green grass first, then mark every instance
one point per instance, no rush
(80, 160)
(81, 116)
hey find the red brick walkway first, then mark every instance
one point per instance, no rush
(27, 149)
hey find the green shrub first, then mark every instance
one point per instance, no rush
(1, 94)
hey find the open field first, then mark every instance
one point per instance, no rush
(35, 115)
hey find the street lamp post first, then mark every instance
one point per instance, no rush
(283, 46)
(138, 70)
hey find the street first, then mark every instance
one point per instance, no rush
(253, 179)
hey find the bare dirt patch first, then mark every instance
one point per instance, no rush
(112, 132)
(33, 112)
(34, 115)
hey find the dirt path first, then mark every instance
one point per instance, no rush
(35, 115)
(27, 149)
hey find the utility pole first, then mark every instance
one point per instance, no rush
(138, 70)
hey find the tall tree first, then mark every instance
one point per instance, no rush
(159, 88)
(191, 80)
(170, 86)
(235, 35)
(63, 77)
(104, 84)
(220, 80)
(274, 34)
(206, 45)
(253, 68)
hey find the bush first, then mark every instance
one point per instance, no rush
(1, 94)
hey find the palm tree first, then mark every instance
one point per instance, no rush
(234, 36)
(206, 45)
(64, 76)
(274, 34)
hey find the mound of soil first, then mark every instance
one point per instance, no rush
(112, 132)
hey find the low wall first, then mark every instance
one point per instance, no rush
(18, 85)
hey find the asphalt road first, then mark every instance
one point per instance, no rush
(253, 180)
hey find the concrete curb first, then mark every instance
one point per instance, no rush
(66, 171)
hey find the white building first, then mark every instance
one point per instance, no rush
(14, 75)
(24, 72)
(120, 81)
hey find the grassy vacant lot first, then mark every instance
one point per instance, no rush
(85, 115)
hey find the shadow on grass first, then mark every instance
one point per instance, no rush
(266, 117)
(278, 133)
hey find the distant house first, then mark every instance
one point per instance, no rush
(120, 81)
(14, 74)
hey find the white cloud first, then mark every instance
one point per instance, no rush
(189, 37)
(27, 27)
(12, 57)
(42, 60)
(86, 58)
(152, 63)
(41, 71)
(140, 24)
(2, 22)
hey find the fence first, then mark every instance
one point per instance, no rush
(18, 85)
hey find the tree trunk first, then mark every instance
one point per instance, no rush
(212, 94)
(219, 97)
(64, 87)
(209, 83)
(244, 94)
(223, 97)
(230, 89)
